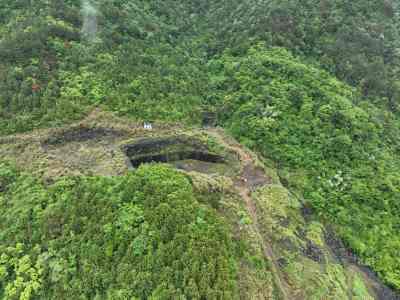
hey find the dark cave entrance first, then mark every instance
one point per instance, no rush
(187, 153)
(176, 156)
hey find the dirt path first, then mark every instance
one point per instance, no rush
(250, 178)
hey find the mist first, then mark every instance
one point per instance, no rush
(89, 13)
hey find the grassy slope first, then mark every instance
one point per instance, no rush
(337, 150)
(150, 61)
(214, 199)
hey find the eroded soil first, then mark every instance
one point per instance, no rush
(93, 147)
(82, 134)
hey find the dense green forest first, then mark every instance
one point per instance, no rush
(340, 152)
(77, 232)
(312, 85)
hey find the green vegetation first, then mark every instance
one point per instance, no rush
(300, 245)
(355, 41)
(136, 65)
(313, 86)
(327, 143)
(140, 236)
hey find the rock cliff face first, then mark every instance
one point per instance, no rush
(286, 253)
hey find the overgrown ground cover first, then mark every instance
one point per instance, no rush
(338, 151)
(311, 85)
(143, 235)
(113, 237)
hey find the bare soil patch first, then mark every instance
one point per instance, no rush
(82, 134)
(254, 177)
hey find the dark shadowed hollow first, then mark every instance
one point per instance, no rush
(176, 156)
(169, 149)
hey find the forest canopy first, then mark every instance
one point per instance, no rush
(142, 236)
(312, 85)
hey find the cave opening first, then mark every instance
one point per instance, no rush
(170, 157)
(181, 152)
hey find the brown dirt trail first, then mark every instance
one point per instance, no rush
(250, 178)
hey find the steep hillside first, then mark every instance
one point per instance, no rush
(328, 144)
(311, 86)
(82, 225)
(357, 41)
(139, 57)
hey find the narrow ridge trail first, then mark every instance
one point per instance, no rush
(251, 177)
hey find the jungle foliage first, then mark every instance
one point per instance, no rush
(338, 150)
(142, 236)
(313, 85)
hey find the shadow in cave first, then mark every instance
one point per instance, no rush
(170, 150)
(176, 156)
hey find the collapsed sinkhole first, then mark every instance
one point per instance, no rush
(175, 150)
